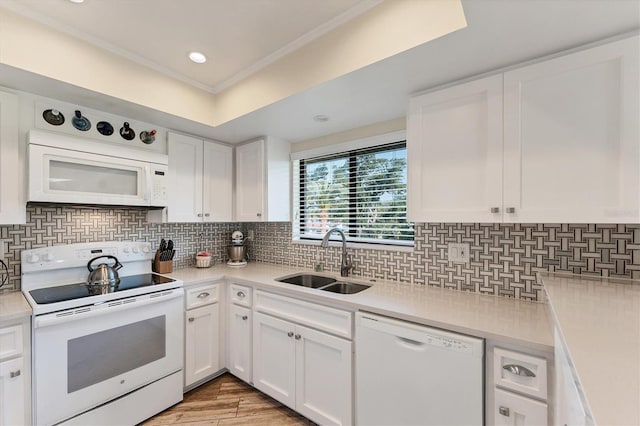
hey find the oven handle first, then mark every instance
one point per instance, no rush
(104, 308)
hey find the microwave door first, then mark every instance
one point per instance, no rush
(75, 177)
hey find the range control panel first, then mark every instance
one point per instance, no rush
(74, 255)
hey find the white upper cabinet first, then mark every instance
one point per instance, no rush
(12, 202)
(571, 149)
(454, 152)
(571, 137)
(263, 181)
(200, 180)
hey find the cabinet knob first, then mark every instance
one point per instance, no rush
(495, 209)
(504, 411)
(511, 209)
(191, 319)
(290, 334)
(241, 294)
(199, 214)
(203, 295)
(259, 214)
(298, 337)
(244, 317)
(207, 215)
(15, 373)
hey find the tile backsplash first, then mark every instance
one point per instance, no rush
(504, 258)
(55, 225)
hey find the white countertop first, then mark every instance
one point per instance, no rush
(13, 306)
(599, 321)
(510, 321)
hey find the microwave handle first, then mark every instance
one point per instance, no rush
(147, 183)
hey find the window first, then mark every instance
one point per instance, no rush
(363, 192)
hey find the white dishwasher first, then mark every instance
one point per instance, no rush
(410, 374)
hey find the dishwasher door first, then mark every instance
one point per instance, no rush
(409, 374)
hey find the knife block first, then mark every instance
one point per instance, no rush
(163, 266)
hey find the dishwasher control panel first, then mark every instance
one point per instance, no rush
(416, 335)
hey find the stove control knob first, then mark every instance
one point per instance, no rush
(33, 258)
(48, 257)
(136, 249)
(145, 249)
(125, 250)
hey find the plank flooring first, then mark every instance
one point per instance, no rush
(227, 401)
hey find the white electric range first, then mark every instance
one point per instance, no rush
(113, 356)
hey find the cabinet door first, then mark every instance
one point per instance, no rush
(217, 183)
(12, 393)
(454, 152)
(323, 377)
(274, 358)
(240, 320)
(515, 410)
(202, 344)
(250, 182)
(572, 138)
(12, 204)
(185, 179)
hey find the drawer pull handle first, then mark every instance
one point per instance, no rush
(15, 373)
(298, 337)
(511, 209)
(519, 370)
(244, 317)
(207, 215)
(495, 209)
(203, 295)
(241, 294)
(191, 319)
(290, 334)
(504, 411)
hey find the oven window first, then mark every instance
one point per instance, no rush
(73, 177)
(106, 354)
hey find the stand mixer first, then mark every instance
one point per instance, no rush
(237, 250)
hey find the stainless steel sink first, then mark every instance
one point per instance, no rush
(323, 283)
(307, 280)
(345, 288)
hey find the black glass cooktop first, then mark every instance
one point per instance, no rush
(43, 296)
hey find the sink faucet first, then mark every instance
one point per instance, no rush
(346, 264)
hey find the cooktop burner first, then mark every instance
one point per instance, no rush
(43, 296)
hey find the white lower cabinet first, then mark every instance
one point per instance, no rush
(274, 358)
(202, 334)
(305, 369)
(12, 392)
(515, 410)
(239, 363)
(518, 387)
(15, 361)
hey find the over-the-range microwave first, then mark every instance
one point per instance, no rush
(67, 169)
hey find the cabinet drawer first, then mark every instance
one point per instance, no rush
(331, 320)
(202, 295)
(241, 295)
(513, 410)
(523, 373)
(10, 341)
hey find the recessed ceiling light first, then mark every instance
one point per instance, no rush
(197, 57)
(77, 1)
(321, 118)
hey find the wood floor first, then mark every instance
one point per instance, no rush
(227, 401)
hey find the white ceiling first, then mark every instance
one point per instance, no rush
(500, 33)
(237, 36)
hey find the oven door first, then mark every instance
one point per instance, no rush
(87, 356)
(66, 176)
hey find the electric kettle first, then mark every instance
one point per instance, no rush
(103, 274)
